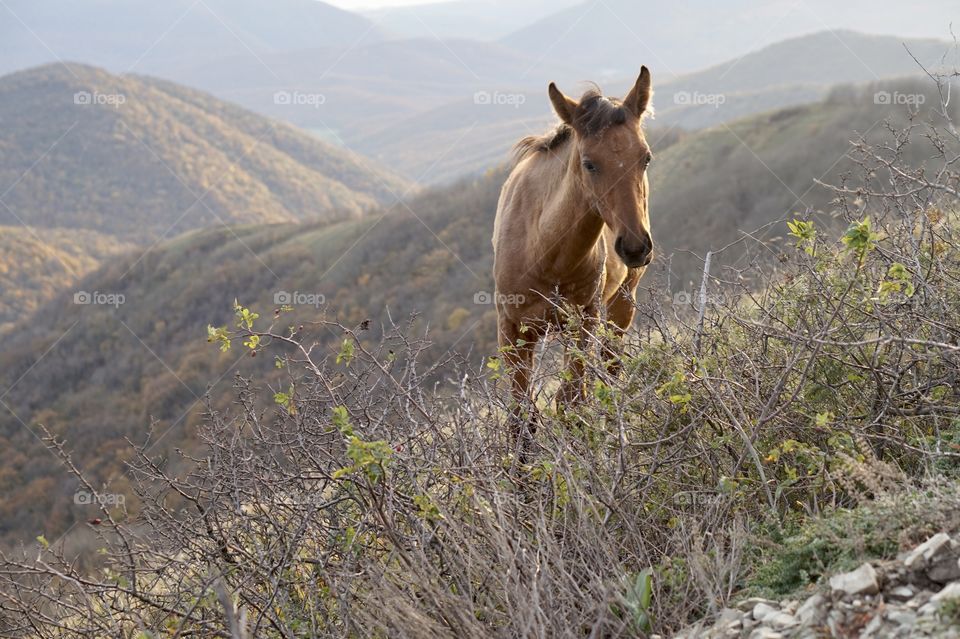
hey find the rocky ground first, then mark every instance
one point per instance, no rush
(915, 595)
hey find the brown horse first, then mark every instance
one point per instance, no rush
(572, 227)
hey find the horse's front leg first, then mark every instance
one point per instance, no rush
(518, 356)
(573, 388)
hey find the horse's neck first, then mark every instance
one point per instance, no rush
(570, 226)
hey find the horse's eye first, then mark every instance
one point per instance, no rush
(590, 167)
(647, 160)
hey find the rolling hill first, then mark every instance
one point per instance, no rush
(137, 158)
(108, 371)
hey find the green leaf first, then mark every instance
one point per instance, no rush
(345, 356)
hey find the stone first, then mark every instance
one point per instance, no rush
(762, 610)
(765, 633)
(863, 580)
(950, 591)
(747, 604)
(811, 611)
(873, 627)
(780, 620)
(900, 593)
(728, 615)
(902, 617)
(945, 569)
(918, 557)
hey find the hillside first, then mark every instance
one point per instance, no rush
(109, 370)
(147, 159)
(34, 268)
(769, 164)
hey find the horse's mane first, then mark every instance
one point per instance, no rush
(545, 143)
(595, 114)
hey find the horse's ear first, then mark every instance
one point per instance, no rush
(638, 99)
(565, 107)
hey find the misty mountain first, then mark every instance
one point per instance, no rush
(155, 37)
(367, 87)
(680, 37)
(471, 136)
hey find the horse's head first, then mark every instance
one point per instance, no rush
(612, 157)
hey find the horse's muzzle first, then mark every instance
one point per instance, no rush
(635, 253)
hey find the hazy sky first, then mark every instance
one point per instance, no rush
(368, 4)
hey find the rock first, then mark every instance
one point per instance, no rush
(900, 593)
(903, 618)
(747, 604)
(923, 553)
(919, 599)
(873, 627)
(863, 580)
(781, 620)
(950, 591)
(762, 610)
(944, 570)
(765, 633)
(729, 615)
(811, 612)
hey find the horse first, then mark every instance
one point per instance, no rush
(572, 229)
